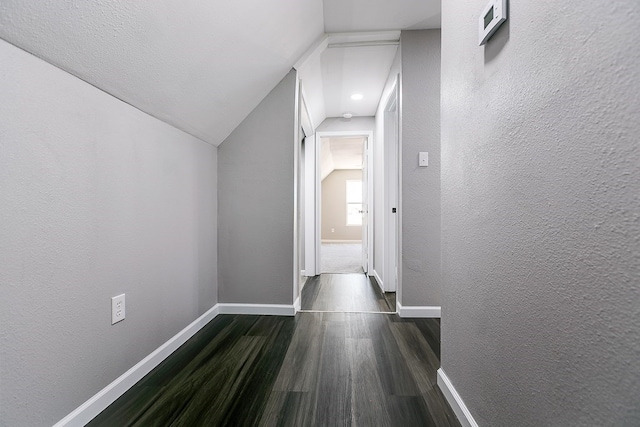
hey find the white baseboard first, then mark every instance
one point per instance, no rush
(418, 311)
(455, 401)
(105, 397)
(297, 305)
(378, 280)
(258, 309)
(340, 241)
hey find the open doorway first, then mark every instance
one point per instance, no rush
(341, 225)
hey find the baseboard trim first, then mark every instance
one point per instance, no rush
(105, 397)
(418, 311)
(297, 305)
(455, 401)
(378, 280)
(258, 309)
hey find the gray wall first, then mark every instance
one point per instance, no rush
(255, 199)
(420, 210)
(97, 199)
(540, 213)
(334, 208)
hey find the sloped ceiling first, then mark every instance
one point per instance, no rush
(377, 15)
(199, 65)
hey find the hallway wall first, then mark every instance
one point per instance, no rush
(339, 124)
(255, 200)
(540, 213)
(420, 205)
(97, 199)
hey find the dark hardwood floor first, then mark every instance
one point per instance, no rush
(315, 369)
(346, 293)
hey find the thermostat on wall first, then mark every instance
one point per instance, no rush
(493, 15)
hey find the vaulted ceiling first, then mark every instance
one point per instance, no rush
(201, 66)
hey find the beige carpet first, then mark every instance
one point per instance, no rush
(341, 258)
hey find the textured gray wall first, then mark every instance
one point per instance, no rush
(420, 210)
(97, 199)
(541, 213)
(334, 207)
(255, 199)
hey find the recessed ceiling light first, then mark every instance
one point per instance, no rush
(356, 96)
(347, 115)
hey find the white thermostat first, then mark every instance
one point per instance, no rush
(493, 15)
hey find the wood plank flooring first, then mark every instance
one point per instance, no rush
(314, 369)
(345, 293)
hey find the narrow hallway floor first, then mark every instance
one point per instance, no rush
(314, 369)
(345, 293)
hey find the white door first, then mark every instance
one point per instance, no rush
(391, 213)
(365, 206)
(310, 192)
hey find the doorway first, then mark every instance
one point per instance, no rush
(341, 225)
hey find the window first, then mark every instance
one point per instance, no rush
(354, 202)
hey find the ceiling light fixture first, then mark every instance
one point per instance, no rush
(356, 96)
(347, 115)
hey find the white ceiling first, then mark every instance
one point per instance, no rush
(202, 66)
(340, 153)
(350, 70)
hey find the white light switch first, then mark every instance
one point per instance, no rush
(423, 159)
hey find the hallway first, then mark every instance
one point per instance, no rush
(325, 369)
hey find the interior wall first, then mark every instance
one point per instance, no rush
(420, 194)
(540, 223)
(98, 199)
(256, 202)
(334, 209)
(339, 124)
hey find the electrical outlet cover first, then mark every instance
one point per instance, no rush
(117, 309)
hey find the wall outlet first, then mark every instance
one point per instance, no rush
(117, 309)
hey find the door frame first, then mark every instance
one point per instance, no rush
(318, 190)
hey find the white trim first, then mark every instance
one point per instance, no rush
(340, 241)
(105, 397)
(455, 401)
(296, 304)
(423, 311)
(378, 280)
(297, 142)
(258, 309)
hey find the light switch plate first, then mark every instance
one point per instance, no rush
(117, 309)
(423, 159)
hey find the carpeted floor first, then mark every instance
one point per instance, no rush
(341, 258)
